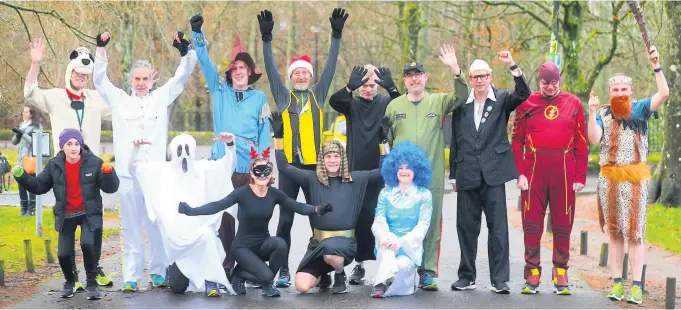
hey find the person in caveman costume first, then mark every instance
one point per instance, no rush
(333, 245)
(140, 114)
(551, 155)
(622, 130)
(192, 248)
(253, 244)
(67, 108)
(302, 110)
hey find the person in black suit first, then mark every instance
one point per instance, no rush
(481, 162)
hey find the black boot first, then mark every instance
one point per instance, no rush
(31, 207)
(24, 208)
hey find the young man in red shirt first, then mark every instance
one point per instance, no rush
(77, 176)
(551, 154)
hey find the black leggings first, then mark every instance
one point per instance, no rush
(66, 248)
(286, 216)
(250, 262)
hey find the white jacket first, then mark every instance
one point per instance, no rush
(136, 117)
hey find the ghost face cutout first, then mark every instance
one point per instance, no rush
(182, 153)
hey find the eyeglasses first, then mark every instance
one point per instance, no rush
(479, 77)
(552, 83)
(413, 75)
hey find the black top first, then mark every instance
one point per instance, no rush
(346, 197)
(254, 212)
(363, 122)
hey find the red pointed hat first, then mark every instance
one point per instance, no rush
(239, 53)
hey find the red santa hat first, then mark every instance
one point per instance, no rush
(302, 61)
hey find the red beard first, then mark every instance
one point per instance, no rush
(621, 106)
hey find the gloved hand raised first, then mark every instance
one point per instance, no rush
(384, 78)
(103, 39)
(196, 21)
(181, 43)
(277, 124)
(183, 207)
(337, 19)
(324, 209)
(386, 123)
(17, 131)
(357, 78)
(266, 25)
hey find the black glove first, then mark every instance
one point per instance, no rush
(266, 25)
(337, 19)
(182, 45)
(277, 124)
(357, 78)
(384, 78)
(183, 207)
(324, 209)
(386, 123)
(17, 131)
(100, 42)
(197, 22)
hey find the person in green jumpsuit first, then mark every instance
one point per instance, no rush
(417, 116)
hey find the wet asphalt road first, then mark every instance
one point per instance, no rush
(357, 296)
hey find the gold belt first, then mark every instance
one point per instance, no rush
(320, 235)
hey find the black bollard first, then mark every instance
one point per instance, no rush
(584, 245)
(520, 203)
(604, 255)
(670, 299)
(643, 278)
(548, 223)
(625, 266)
(2, 273)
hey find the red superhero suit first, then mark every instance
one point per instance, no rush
(550, 150)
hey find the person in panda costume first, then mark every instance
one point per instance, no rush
(73, 106)
(192, 247)
(140, 114)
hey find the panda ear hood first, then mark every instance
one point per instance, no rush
(76, 63)
(74, 55)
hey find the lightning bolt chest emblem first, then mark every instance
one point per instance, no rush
(551, 112)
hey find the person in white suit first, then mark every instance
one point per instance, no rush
(140, 114)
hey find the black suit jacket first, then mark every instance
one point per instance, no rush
(485, 155)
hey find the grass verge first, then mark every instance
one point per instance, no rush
(663, 227)
(15, 229)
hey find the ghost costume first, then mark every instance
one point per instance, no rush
(57, 103)
(191, 244)
(135, 117)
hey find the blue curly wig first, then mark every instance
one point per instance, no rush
(412, 155)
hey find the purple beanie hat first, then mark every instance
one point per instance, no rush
(70, 133)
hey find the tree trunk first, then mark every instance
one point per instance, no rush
(291, 44)
(410, 13)
(571, 42)
(666, 184)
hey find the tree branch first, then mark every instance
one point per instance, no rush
(45, 34)
(604, 61)
(15, 70)
(523, 9)
(81, 35)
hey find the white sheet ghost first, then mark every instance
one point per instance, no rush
(189, 241)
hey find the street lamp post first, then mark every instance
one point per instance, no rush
(315, 30)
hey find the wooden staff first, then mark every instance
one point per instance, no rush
(637, 12)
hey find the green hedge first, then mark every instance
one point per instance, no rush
(202, 137)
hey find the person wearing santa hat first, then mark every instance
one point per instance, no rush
(238, 109)
(302, 110)
(480, 164)
(551, 155)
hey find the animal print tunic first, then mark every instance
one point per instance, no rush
(624, 177)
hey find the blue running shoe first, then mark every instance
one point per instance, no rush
(129, 287)
(158, 281)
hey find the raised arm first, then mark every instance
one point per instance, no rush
(522, 90)
(110, 94)
(321, 89)
(210, 72)
(449, 102)
(32, 92)
(340, 101)
(175, 84)
(595, 126)
(662, 87)
(385, 78)
(279, 91)
(38, 185)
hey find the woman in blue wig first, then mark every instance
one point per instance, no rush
(402, 219)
